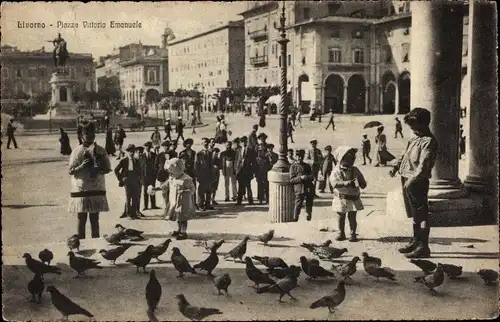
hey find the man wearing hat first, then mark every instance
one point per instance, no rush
(398, 129)
(263, 165)
(330, 121)
(203, 170)
(316, 159)
(179, 128)
(188, 155)
(156, 140)
(245, 171)
(149, 174)
(252, 137)
(168, 129)
(274, 155)
(302, 178)
(228, 161)
(128, 173)
(326, 170)
(161, 158)
(120, 136)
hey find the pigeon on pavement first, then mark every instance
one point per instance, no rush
(194, 313)
(283, 286)
(256, 275)
(489, 276)
(271, 262)
(283, 272)
(39, 267)
(116, 238)
(380, 272)
(142, 260)
(222, 283)
(130, 233)
(81, 264)
(265, 238)
(153, 291)
(433, 280)
(159, 249)
(65, 305)
(305, 263)
(238, 251)
(370, 261)
(328, 253)
(208, 245)
(452, 271)
(73, 242)
(180, 263)
(209, 263)
(426, 266)
(36, 287)
(331, 301)
(46, 256)
(113, 253)
(311, 246)
(313, 270)
(347, 270)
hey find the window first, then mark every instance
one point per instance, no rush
(465, 49)
(307, 13)
(335, 34)
(357, 34)
(406, 52)
(334, 55)
(256, 52)
(272, 49)
(210, 73)
(42, 71)
(358, 56)
(289, 60)
(152, 75)
(265, 50)
(19, 72)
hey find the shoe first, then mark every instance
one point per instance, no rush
(209, 208)
(363, 163)
(341, 237)
(419, 252)
(377, 165)
(309, 217)
(322, 191)
(353, 238)
(145, 208)
(409, 248)
(123, 216)
(234, 198)
(155, 207)
(175, 233)
(215, 203)
(226, 200)
(250, 202)
(181, 236)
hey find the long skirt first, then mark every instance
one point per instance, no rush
(91, 204)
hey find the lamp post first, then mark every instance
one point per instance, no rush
(281, 191)
(141, 94)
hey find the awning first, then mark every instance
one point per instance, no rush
(275, 99)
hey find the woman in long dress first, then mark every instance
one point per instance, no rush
(110, 144)
(383, 156)
(64, 140)
(88, 165)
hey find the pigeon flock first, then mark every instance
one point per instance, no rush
(278, 277)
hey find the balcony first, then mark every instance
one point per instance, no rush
(258, 61)
(259, 34)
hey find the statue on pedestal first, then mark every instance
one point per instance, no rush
(60, 53)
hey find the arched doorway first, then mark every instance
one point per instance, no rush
(388, 93)
(63, 94)
(356, 93)
(303, 99)
(404, 92)
(334, 93)
(152, 95)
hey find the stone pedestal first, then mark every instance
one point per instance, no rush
(281, 197)
(62, 96)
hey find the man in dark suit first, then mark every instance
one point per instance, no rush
(128, 173)
(10, 134)
(245, 171)
(161, 158)
(179, 128)
(149, 174)
(203, 170)
(316, 158)
(326, 169)
(301, 176)
(188, 155)
(274, 155)
(252, 138)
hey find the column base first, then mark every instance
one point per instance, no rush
(444, 189)
(281, 197)
(477, 183)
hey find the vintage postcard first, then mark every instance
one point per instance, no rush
(249, 160)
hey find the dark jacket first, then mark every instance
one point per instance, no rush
(314, 154)
(252, 140)
(189, 158)
(301, 186)
(124, 175)
(263, 162)
(149, 170)
(248, 162)
(10, 129)
(203, 165)
(328, 164)
(120, 137)
(179, 128)
(227, 156)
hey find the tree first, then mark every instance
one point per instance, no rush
(109, 91)
(89, 97)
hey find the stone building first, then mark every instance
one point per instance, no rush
(353, 57)
(29, 72)
(210, 60)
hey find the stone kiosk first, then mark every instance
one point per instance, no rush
(62, 95)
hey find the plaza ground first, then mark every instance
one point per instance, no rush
(35, 191)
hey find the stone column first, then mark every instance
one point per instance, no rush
(367, 100)
(69, 92)
(396, 99)
(381, 99)
(435, 85)
(344, 103)
(482, 141)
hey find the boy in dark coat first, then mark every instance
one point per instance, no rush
(128, 173)
(326, 170)
(365, 148)
(120, 136)
(149, 173)
(245, 171)
(188, 155)
(302, 178)
(316, 158)
(203, 170)
(168, 130)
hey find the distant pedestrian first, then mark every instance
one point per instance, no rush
(290, 129)
(64, 140)
(365, 148)
(120, 136)
(168, 130)
(193, 123)
(110, 145)
(347, 180)
(461, 142)
(156, 140)
(398, 129)
(302, 179)
(383, 156)
(299, 118)
(10, 134)
(327, 168)
(179, 129)
(330, 121)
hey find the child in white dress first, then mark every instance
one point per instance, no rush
(346, 180)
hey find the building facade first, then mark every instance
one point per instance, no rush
(209, 61)
(352, 57)
(27, 73)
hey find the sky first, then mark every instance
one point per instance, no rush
(184, 18)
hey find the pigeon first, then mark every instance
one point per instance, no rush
(129, 232)
(73, 242)
(65, 305)
(238, 251)
(153, 291)
(113, 254)
(256, 275)
(313, 270)
(81, 264)
(39, 267)
(209, 263)
(116, 238)
(328, 253)
(305, 263)
(347, 270)
(222, 283)
(283, 272)
(452, 271)
(426, 266)
(194, 313)
(46, 256)
(433, 280)
(489, 276)
(142, 260)
(311, 246)
(378, 272)
(36, 287)
(180, 262)
(371, 261)
(159, 249)
(265, 238)
(331, 301)
(271, 262)
(283, 286)
(208, 245)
